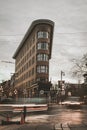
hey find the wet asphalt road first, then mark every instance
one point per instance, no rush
(60, 113)
(74, 119)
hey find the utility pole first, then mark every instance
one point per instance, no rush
(62, 87)
(62, 74)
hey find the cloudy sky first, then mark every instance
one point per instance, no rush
(70, 32)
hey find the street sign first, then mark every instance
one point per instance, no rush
(63, 92)
(69, 93)
(41, 91)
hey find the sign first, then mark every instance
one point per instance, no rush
(63, 92)
(41, 91)
(69, 93)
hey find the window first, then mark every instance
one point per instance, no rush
(42, 69)
(38, 69)
(42, 45)
(42, 34)
(42, 57)
(42, 79)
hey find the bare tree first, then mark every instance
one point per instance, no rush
(80, 66)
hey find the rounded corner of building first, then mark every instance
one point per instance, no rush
(46, 21)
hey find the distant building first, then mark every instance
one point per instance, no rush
(74, 88)
(12, 84)
(32, 59)
(6, 88)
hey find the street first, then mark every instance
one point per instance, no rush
(62, 114)
(57, 117)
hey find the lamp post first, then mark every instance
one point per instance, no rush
(62, 87)
(62, 74)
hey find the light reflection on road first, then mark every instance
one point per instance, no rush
(69, 115)
(64, 115)
(58, 115)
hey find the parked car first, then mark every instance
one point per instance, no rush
(72, 101)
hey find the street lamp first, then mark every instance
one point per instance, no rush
(62, 74)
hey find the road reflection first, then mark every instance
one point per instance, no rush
(69, 115)
(59, 114)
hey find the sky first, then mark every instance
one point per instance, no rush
(69, 38)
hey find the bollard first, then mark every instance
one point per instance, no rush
(22, 119)
(24, 113)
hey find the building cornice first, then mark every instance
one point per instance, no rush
(34, 23)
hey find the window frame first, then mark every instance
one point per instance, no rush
(42, 69)
(42, 34)
(42, 46)
(42, 57)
